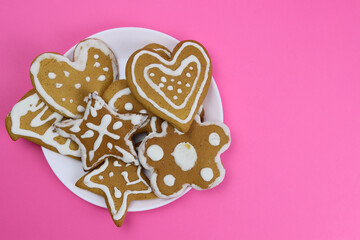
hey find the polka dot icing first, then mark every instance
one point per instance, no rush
(214, 139)
(51, 75)
(87, 79)
(188, 74)
(97, 64)
(111, 174)
(175, 97)
(117, 193)
(80, 108)
(101, 78)
(109, 145)
(101, 177)
(66, 73)
(77, 86)
(207, 174)
(117, 125)
(58, 85)
(155, 152)
(163, 79)
(152, 74)
(170, 88)
(188, 85)
(179, 90)
(161, 85)
(96, 56)
(185, 156)
(169, 180)
(128, 106)
(179, 82)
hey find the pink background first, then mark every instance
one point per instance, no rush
(289, 77)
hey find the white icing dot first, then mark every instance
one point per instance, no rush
(191, 68)
(169, 180)
(163, 79)
(87, 79)
(117, 125)
(66, 73)
(117, 193)
(63, 99)
(96, 64)
(80, 108)
(88, 134)
(128, 106)
(143, 111)
(75, 129)
(71, 101)
(155, 152)
(179, 82)
(161, 85)
(179, 90)
(135, 120)
(96, 56)
(185, 156)
(77, 86)
(110, 146)
(101, 78)
(106, 69)
(101, 177)
(152, 74)
(58, 85)
(111, 174)
(172, 80)
(175, 97)
(207, 174)
(51, 75)
(188, 85)
(214, 139)
(117, 164)
(188, 74)
(170, 88)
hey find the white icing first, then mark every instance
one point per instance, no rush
(51, 75)
(80, 108)
(75, 128)
(188, 74)
(77, 86)
(96, 64)
(106, 69)
(179, 90)
(109, 145)
(161, 85)
(31, 104)
(117, 164)
(170, 88)
(117, 125)
(169, 180)
(143, 111)
(116, 213)
(185, 156)
(155, 152)
(214, 139)
(117, 193)
(101, 78)
(152, 74)
(102, 130)
(63, 99)
(79, 64)
(125, 175)
(101, 177)
(128, 106)
(163, 50)
(118, 95)
(207, 174)
(191, 68)
(163, 79)
(187, 85)
(175, 97)
(173, 80)
(58, 85)
(71, 101)
(88, 134)
(179, 82)
(87, 79)
(66, 73)
(96, 56)
(111, 174)
(137, 119)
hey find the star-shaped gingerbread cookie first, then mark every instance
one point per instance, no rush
(119, 183)
(102, 133)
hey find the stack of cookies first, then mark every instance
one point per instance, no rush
(81, 109)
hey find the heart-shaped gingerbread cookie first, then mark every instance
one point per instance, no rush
(63, 84)
(172, 88)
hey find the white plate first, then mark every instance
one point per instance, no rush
(123, 42)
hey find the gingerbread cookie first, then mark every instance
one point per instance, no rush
(177, 160)
(119, 183)
(102, 133)
(171, 88)
(33, 120)
(63, 84)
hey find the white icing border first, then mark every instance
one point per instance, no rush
(166, 62)
(22, 108)
(116, 215)
(127, 138)
(153, 174)
(79, 63)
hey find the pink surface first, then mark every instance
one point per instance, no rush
(289, 77)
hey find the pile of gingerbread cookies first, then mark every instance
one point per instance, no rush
(79, 108)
